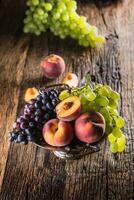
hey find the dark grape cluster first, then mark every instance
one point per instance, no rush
(35, 114)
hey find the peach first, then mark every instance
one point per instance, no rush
(31, 93)
(90, 127)
(71, 79)
(58, 133)
(52, 66)
(69, 109)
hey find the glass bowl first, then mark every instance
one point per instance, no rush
(77, 148)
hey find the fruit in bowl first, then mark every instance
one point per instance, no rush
(90, 127)
(57, 115)
(69, 109)
(58, 133)
(52, 66)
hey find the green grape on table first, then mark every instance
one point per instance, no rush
(63, 12)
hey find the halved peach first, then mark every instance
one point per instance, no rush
(71, 79)
(69, 109)
(31, 93)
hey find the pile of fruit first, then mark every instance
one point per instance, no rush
(59, 115)
(61, 18)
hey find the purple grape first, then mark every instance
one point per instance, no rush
(31, 102)
(23, 125)
(16, 126)
(35, 114)
(49, 106)
(31, 124)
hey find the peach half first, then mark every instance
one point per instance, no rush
(58, 133)
(69, 109)
(71, 79)
(31, 93)
(90, 127)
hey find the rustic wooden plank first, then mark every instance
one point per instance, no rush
(12, 62)
(98, 176)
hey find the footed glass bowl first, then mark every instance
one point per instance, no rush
(77, 148)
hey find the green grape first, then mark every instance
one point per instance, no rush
(39, 11)
(117, 132)
(108, 128)
(114, 95)
(96, 97)
(113, 111)
(114, 147)
(103, 91)
(70, 23)
(64, 94)
(121, 148)
(113, 103)
(102, 101)
(120, 122)
(90, 96)
(111, 138)
(85, 107)
(121, 140)
(93, 106)
(47, 6)
(34, 2)
(104, 111)
(108, 88)
(65, 17)
(56, 16)
(83, 99)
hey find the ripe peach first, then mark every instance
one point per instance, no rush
(90, 127)
(58, 133)
(69, 109)
(71, 79)
(52, 66)
(31, 93)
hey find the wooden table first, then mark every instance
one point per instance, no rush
(30, 173)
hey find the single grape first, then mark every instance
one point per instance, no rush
(103, 91)
(114, 147)
(35, 2)
(121, 140)
(117, 132)
(114, 95)
(83, 99)
(90, 96)
(64, 94)
(111, 138)
(121, 148)
(113, 103)
(120, 122)
(105, 112)
(47, 6)
(102, 101)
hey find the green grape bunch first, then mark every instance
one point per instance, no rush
(61, 18)
(103, 99)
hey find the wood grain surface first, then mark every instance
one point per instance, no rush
(30, 173)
